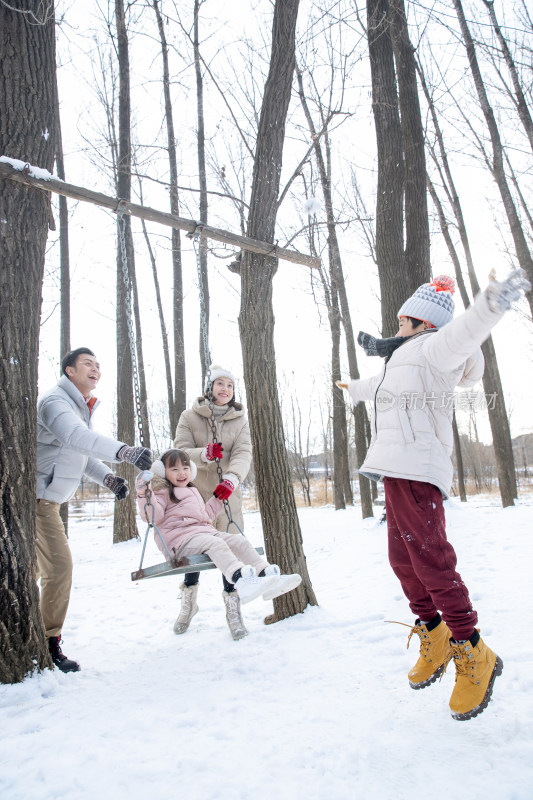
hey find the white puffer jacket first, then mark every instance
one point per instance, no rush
(67, 447)
(413, 398)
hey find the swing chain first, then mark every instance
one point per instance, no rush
(204, 333)
(151, 524)
(121, 227)
(207, 360)
(212, 422)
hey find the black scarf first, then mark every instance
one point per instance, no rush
(379, 347)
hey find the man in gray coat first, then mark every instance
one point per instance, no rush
(67, 449)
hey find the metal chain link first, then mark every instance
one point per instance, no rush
(207, 359)
(121, 226)
(151, 524)
(204, 332)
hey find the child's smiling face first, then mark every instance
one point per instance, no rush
(178, 474)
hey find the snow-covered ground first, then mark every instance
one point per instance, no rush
(315, 707)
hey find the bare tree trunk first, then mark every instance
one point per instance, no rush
(417, 261)
(124, 521)
(522, 251)
(28, 103)
(202, 243)
(281, 527)
(64, 267)
(179, 346)
(337, 282)
(340, 444)
(389, 204)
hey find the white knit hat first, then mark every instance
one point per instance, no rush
(432, 302)
(216, 371)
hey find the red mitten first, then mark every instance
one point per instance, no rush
(223, 490)
(214, 450)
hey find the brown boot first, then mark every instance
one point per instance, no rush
(435, 653)
(476, 668)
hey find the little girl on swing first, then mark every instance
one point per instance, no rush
(185, 523)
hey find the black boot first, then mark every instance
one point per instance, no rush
(59, 658)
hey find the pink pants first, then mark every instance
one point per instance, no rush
(228, 551)
(422, 557)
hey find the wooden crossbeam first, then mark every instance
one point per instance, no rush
(51, 184)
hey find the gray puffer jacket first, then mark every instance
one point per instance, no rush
(67, 448)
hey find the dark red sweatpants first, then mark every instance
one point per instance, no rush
(423, 558)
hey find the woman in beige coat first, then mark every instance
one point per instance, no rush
(214, 432)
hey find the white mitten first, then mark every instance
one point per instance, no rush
(501, 295)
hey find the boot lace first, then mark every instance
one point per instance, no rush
(414, 629)
(424, 645)
(234, 613)
(464, 660)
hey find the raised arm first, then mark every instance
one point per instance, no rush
(58, 417)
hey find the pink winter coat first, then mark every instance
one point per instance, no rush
(178, 522)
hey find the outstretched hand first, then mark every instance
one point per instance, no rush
(140, 457)
(502, 294)
(341, 385)
(118, 486)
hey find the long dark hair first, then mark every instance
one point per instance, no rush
(169, 459)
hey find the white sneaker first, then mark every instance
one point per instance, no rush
(285, 583)
(249, 586)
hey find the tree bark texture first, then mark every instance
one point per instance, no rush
(389, 204)
(64, 268)
(202, 178)
(28, 133)
(417, 260)
(283, 539)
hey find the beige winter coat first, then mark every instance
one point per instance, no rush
(413, 398)
(194, 433)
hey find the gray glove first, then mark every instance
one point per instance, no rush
(118, 486)
(141, 457)
(501, 295)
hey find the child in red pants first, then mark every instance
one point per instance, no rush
(411, 449)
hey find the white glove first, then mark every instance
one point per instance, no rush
(142, 480)
(501, 295)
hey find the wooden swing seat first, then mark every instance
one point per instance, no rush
(180, 567)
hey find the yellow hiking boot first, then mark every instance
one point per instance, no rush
(476, 668)
(435, 653)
